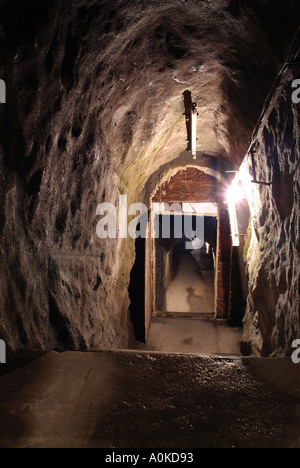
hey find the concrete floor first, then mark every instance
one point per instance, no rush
(149, 400)
(188, 335)
(192, 290)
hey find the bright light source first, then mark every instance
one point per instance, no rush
(235, 194)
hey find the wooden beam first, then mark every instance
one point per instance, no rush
(189, 185)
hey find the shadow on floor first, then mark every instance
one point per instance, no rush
(192, 289)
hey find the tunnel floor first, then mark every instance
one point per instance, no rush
(192, 289)
(150, 400)
(187, 335)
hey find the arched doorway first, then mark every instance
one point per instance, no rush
(195, 194)
(194, 189)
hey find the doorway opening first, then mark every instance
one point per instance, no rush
(185, 271)
(184, 280)
(191, 290)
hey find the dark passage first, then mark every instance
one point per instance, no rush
(137, 291)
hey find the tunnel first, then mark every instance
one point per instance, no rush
(192, 274)
(122, 123)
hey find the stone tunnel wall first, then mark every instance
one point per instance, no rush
(272, 320)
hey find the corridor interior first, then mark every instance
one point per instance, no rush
(191, 290)
(188, 325)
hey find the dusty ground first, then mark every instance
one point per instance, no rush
(185, 335)
(116, 400)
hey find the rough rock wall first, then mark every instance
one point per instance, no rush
(272, 321)
(94, 107)
(58, 281)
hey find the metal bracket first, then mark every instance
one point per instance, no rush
(258, 182)
(255, 181)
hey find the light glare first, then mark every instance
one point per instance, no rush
(235, 194)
